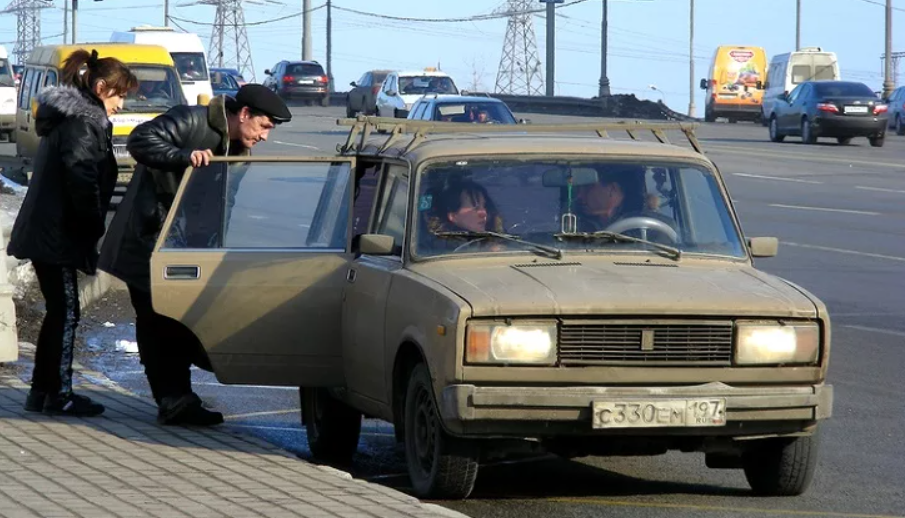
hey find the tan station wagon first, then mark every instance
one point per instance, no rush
(490, 290)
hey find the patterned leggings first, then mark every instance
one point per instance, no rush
(56, 343)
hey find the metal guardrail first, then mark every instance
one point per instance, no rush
(617, 106)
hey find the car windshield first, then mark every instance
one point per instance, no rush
(223, 81)
(6, 74)
(304, 69)
(843, 90)
(420, 85)
(191, 66)
(574, 206)
(479, 112)
(158, 90)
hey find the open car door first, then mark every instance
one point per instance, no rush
(252, 259)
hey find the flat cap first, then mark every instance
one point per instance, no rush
(261, 99)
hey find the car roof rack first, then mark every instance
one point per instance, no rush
(362, 128)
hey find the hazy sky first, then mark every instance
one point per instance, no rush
(648, 38)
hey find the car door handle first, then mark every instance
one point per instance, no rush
(351, 275)
(182, 273)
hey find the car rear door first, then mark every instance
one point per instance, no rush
(253, 259)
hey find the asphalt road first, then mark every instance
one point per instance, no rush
(840, 215)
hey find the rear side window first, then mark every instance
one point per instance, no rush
(304, 69)
(25, 88)
(50, 79)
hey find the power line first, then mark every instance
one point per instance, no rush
(475, 18)
(252, 24)
(881, 4)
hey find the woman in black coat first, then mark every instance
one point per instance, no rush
(62, 217)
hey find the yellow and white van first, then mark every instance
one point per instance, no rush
(159, 90)
(735, 84)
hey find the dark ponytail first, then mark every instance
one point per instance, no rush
(84, 70)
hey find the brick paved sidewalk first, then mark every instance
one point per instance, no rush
(124, 464)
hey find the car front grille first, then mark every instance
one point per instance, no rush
(641, 343)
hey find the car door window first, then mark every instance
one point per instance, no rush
(365, 80)
(393, 208)
(25, 88)
(418, 110)
(36, 85)
(366, 184)
(264, 205)
(795, 94)
(50, 79)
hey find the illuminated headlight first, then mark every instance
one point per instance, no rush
(532, 343)
(775, 344)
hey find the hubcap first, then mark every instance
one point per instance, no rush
(425, 425)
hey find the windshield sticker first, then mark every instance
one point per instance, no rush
(425, 202)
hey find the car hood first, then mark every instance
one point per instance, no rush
(618, 288)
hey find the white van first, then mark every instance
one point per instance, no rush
(8, 94)
(188, 55)
(787, 70)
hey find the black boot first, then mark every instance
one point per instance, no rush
(34, 401)
(186, 410)
(71, 404)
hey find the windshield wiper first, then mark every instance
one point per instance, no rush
(465, 234)
(620, 238)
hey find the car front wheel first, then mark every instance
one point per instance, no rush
(333, 427)
(781, 467)
(877, 141)
(350, 112)
(775, 135)
(439, 465)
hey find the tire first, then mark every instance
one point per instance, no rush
(844, 141)
(877, 141)
(708, 116)
(325, 101)
(781, 467)
(807, 134)
(350, 113)
(333, 427)
(439, 466)
(775, 135)
(12, 137)
(900, 127)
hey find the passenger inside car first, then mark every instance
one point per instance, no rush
(462, 205)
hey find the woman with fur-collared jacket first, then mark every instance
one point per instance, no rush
(63, 216)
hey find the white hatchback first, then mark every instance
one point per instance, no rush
(400, 90)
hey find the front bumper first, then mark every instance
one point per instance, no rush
(7, 121)
(545, 411)
(841, 126)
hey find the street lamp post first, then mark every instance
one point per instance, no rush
(797, 25)
(604, 90)
(888, 81)
(691, 62)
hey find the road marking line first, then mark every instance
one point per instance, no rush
(259, 414)
(825, 209)
(813, 158)
(796, 180)
(292, 144)
(211, 384)
(844, 251)
(879, 189)
(792, 512)
(877, 330)
(271, 428)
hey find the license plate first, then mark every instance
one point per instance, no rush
(306, 81)
(659, 413)
(121, 152)
(856, 109)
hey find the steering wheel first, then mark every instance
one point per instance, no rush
(644, 223)
(469, 244)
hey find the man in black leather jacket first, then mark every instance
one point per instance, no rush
(164, 148)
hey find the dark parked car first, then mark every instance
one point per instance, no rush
(304, 80)
(231, 71)
(363, 96)
(224, 84)
(460, 108)
(840, 109)
(896, 103)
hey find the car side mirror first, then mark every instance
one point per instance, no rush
(203, 99)
(267, 72)
(703, 84)
(376, 244)
(353, 84)
(391, 93)
(759, 85)
(763, 246)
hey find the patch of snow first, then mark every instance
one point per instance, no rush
(109, 324)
